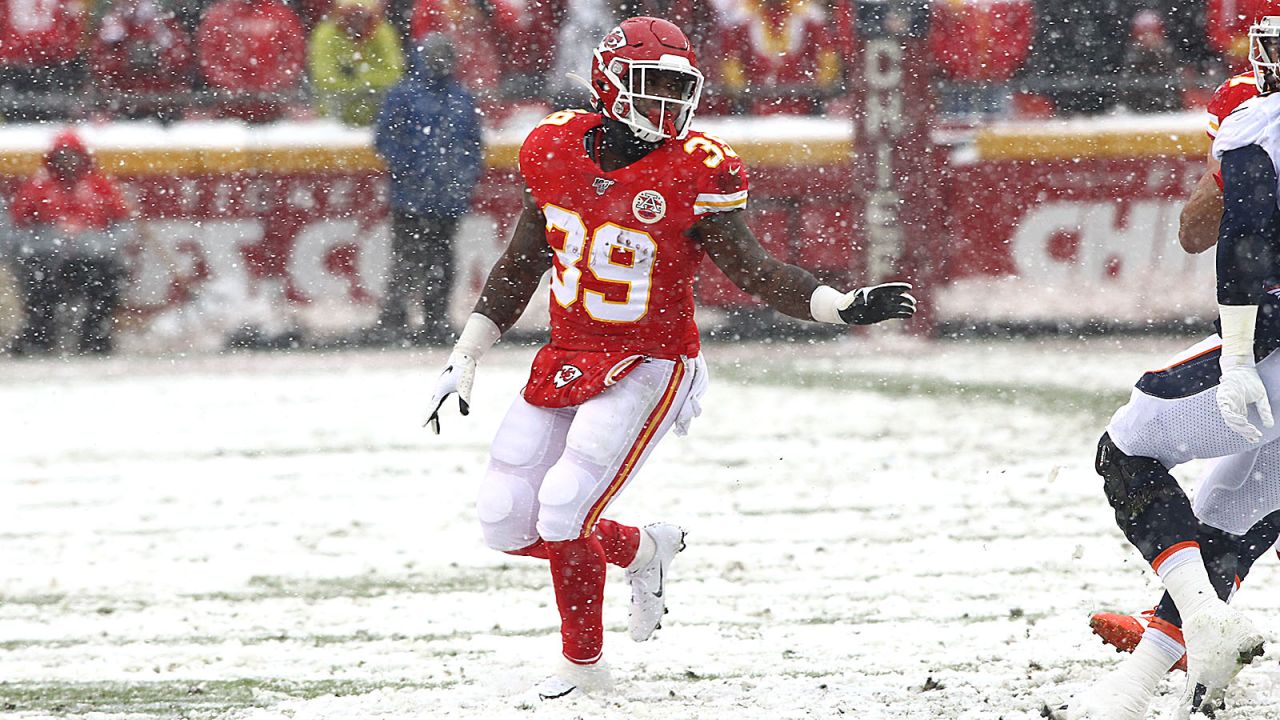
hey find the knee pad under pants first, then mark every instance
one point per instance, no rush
(608, 442)
(1150, 507)
(552, 472)
(1131, 483)
(529, 441)
(508, 509)
(566, 496)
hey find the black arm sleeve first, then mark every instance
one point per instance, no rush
(1248, 256)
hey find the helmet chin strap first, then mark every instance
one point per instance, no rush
(622, 140)
(584, 83)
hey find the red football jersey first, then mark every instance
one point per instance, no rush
(623, 271)
(1230, 94)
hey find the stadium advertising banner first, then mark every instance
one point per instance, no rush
(287, 226)
(1075, 223)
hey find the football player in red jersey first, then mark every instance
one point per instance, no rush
(1199, 232)
(1198, 224)
(621, 204)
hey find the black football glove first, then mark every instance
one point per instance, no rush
(877, 303)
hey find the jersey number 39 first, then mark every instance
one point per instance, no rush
(611, 272)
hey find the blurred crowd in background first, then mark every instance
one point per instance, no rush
(264, 60)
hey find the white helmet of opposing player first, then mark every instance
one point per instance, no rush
(1264, 53)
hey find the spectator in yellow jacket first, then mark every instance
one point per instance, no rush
(354, 56)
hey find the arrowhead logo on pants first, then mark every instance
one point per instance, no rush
(566, 374)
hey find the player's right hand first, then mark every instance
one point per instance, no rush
(1239, 388)
(457, 377)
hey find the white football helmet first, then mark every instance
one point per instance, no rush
(1264, 53)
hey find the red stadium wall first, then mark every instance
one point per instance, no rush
(1068, 224)
(1055, 224)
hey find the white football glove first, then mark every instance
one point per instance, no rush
(477, 336)
(1239, 388)
(457, 377)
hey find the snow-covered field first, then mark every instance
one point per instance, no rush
(878, 529)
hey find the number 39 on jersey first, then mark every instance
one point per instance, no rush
(624, 259)
(618, 259)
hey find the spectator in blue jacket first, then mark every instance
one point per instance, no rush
(428, 132)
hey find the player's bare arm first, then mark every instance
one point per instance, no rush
(515, 276)
(511, 283)
(735, 250)
(1198, 223)
(791, 289)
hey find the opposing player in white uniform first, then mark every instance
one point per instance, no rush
(1228, 556)
(1213, 402)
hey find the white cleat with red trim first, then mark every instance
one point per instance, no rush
(571, 679)
(648, 580)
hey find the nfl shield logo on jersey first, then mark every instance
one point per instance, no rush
(649, 206)
(601, 185)
(566, 374)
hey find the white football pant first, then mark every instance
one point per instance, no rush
(553, 472)
(1176, 419)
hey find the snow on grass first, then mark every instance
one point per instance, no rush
(880, 529)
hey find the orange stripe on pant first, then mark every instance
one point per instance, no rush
(638, 447)
(1184, 361)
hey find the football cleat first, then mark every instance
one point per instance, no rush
(571, 679)
(1220, 642)
(1119, 695)
(1123, 632)
(648, 582)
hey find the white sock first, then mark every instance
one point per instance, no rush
(645, 552)
(1155, 654)
(1184, 576)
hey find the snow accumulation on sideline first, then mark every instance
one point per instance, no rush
(879, 528)
(1173, 122)
(237, 135)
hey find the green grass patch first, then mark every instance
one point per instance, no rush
(188, 698)
(370, 586)
(38, 600)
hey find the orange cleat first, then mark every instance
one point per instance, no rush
(1123, 632)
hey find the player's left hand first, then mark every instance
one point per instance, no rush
(457, 377)
(1239, 388)
(877, 303)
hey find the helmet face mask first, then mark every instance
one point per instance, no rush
(1264, 53)
(644, 76)
(654, 99)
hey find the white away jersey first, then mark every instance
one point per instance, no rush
(1255, 122)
